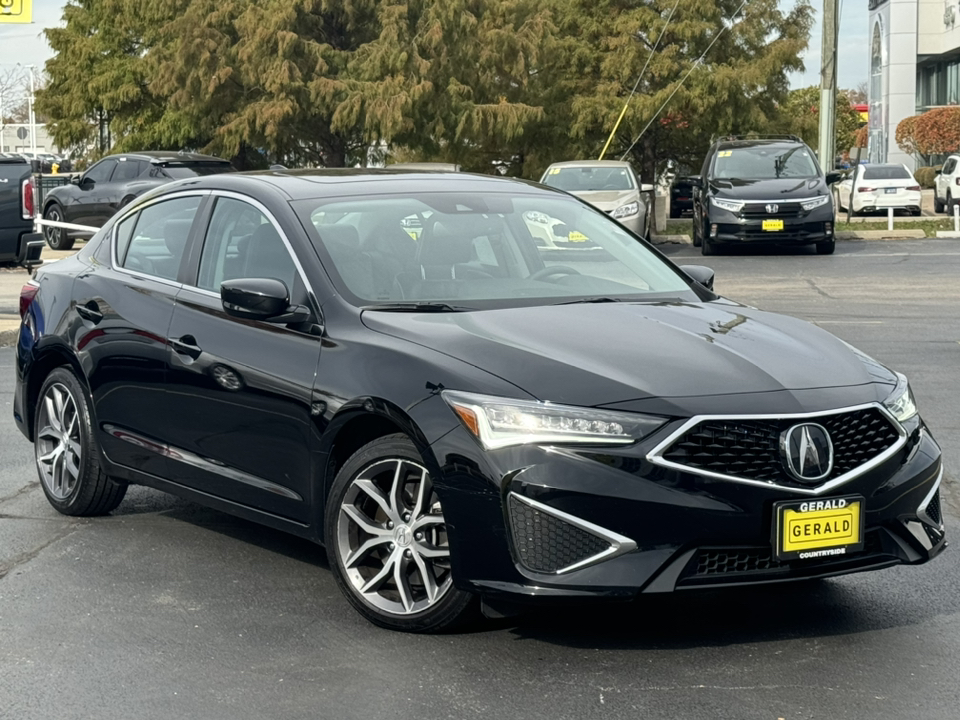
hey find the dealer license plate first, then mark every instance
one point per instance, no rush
(818, 529)
(891, 191)
(772, 225)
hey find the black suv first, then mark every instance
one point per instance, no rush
(763, 190)
(93, 197)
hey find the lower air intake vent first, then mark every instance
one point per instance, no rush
(933, 509)
(546, 543)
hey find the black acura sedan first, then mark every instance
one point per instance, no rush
(93, 196)
(459, 413)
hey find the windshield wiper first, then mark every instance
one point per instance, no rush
(598, 299)
(417, 307)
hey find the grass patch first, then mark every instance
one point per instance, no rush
(679, 227)
(930, 226)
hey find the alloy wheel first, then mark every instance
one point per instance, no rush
(58, 446)
(392, 540)
(54, 234)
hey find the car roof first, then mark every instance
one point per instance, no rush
(591, 163)
(167, 156)
(758, 142)
(342, 182)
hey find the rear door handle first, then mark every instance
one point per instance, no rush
(186, 345)
(90, 313)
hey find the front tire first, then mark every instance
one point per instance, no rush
(57, 238)
(827, 247)
(386, 540)
(938, 204)
(708, 248)
(67, 454)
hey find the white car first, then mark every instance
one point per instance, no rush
(946, 188)
(878, 187)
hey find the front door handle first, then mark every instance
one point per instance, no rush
(90, 312)
(186, 345)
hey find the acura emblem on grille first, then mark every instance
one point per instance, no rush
(807, 452)
(773, 209)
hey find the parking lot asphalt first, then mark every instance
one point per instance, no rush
(169, 610)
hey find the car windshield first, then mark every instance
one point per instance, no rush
(482, 251)
(588, 179)
(189, 170)
(764, 162)
(886, 172)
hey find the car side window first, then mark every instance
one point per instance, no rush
(127, 170)
(101, 171)
(153, 240)
(949, 167)
(242, 242)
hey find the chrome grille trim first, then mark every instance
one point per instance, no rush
(655, 456)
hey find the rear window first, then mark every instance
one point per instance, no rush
(886, 172)
(189, 170)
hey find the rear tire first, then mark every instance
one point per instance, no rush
(57, 238)
(387, 543)
(67, 453)
(938, 205)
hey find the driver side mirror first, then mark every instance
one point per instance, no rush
(834, 177)
(695, 180)
(701, 274)
(261, 299)
(937, 172)
(74, 179)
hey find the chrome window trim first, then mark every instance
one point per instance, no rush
(922, 509)
(655, 456)
(133, 211)
(273, 221)
(619, 544)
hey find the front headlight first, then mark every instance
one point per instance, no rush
(901, 402)
(815, 202)
(728, 205)
(502, 422)
(626, 210)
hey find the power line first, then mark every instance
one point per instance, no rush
(682, 80)
(637, 83)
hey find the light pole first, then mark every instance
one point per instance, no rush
(33, 118)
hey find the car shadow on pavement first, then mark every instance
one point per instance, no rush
(142, 501)
(804, 609)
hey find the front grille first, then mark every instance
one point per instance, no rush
(717, 562)
(750, 449)
(791, 233)
(784, 210)
(545, 543)
(725, 561)
(933, 509)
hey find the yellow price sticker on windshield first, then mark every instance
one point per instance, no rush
(577, 236)
(555, 171)
(725, 153)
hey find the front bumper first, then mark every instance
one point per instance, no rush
(795, 232)
(509, 514)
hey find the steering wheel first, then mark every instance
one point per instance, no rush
(548, 272)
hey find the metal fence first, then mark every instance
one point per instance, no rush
(48, 182)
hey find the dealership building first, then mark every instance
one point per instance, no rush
(914, 66)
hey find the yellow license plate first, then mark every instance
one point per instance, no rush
(818, 529)
(772, 225)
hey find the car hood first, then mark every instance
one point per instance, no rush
(595, 354)
(778, 189)
(607, 199)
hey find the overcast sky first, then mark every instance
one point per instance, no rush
(26, 44)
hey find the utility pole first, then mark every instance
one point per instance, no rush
(828, 85)
(33, 119)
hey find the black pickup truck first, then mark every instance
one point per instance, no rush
(18, 243)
